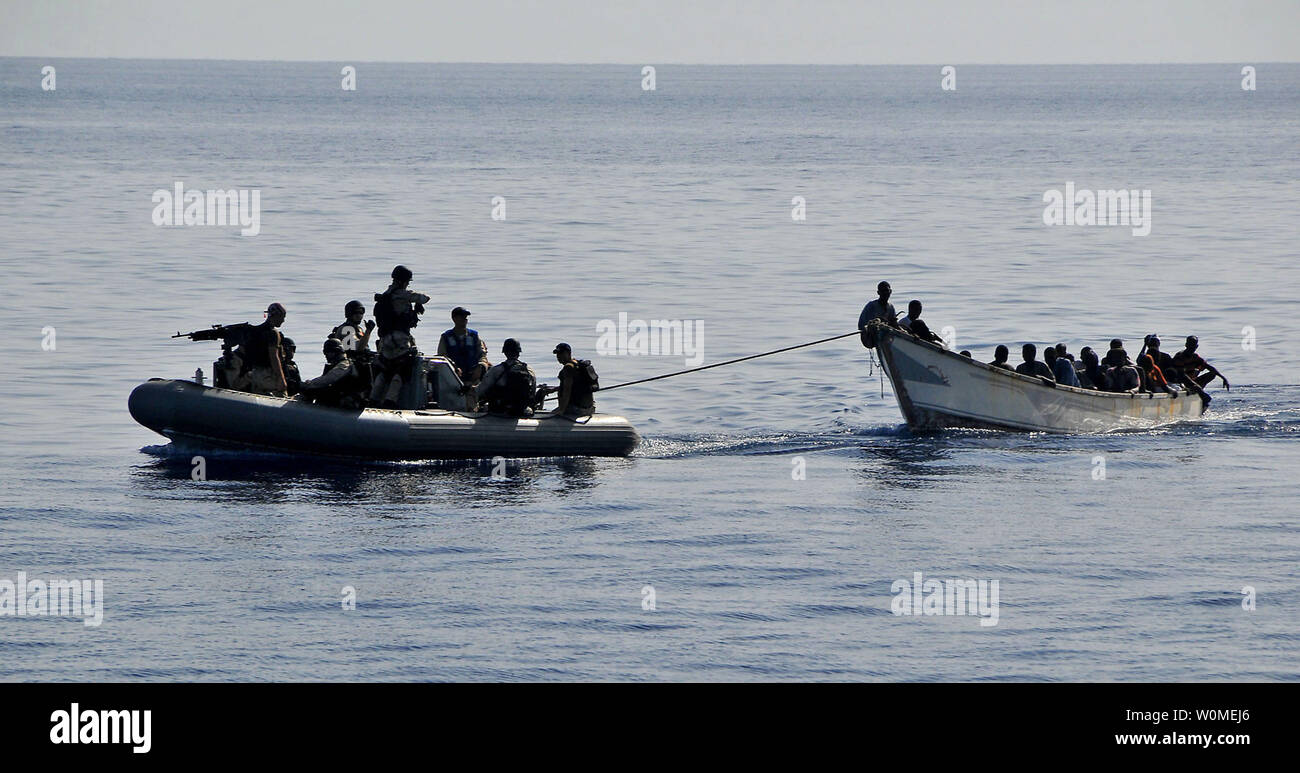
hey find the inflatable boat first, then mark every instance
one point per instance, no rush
(226, 418)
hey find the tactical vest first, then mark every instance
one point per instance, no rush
(260, 340)
(513, 393)
(387, 317)
(349, 335)
(583, 382)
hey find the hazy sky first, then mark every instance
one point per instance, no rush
(660, 31)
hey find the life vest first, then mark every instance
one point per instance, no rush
(465, 352)
(513, 392)
(1154, 374)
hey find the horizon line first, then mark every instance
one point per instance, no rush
(344, 60)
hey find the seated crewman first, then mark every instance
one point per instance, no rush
(578, 382)
(340, 384)
(509, 386)
(463, 346)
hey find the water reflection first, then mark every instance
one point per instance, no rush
(254, 478)
(908, 462)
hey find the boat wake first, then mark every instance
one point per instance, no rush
(1251, 411)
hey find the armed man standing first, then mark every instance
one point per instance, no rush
(263, 355)
(397, 310)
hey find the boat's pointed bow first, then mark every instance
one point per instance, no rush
(153, 403)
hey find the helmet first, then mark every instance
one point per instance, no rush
(402, 274)
(332, 345)
(511, 345)
(288, 343)
(354, 306)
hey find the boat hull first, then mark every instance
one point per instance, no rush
(183, 410)
(939, 389)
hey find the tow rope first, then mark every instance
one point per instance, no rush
(729, 362)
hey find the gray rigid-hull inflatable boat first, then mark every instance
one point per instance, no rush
(186, 411)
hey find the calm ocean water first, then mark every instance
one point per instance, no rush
(670, 204)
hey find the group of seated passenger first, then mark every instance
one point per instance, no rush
(1154, 371)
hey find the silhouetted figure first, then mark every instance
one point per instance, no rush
(1062, 369)
(880, 309)
(1153, 378)
(397, 310)
(1121, 376)
(263, 354)
(913, 324)
(1189, 365)
(1031, 366)
(1000, 356)
(1091, 376)
(509, 386)
(341, 384)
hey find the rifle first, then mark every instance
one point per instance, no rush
(230, 336)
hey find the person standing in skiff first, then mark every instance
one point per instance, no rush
(397, 310)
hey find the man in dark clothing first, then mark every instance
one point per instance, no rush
(880, 309)
(912, 322)
(578, 381)
(354, 336)
(1090, 377)
(509, 386)
(397, 310)
(340, 383)
(1162, 361)
(1117, 344)
(1031, 366)
(1062, 369)
(1189, 365)
(1153, 378)
(292, 377)
(263, 355)
(1000, 356)
(1121, 375)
